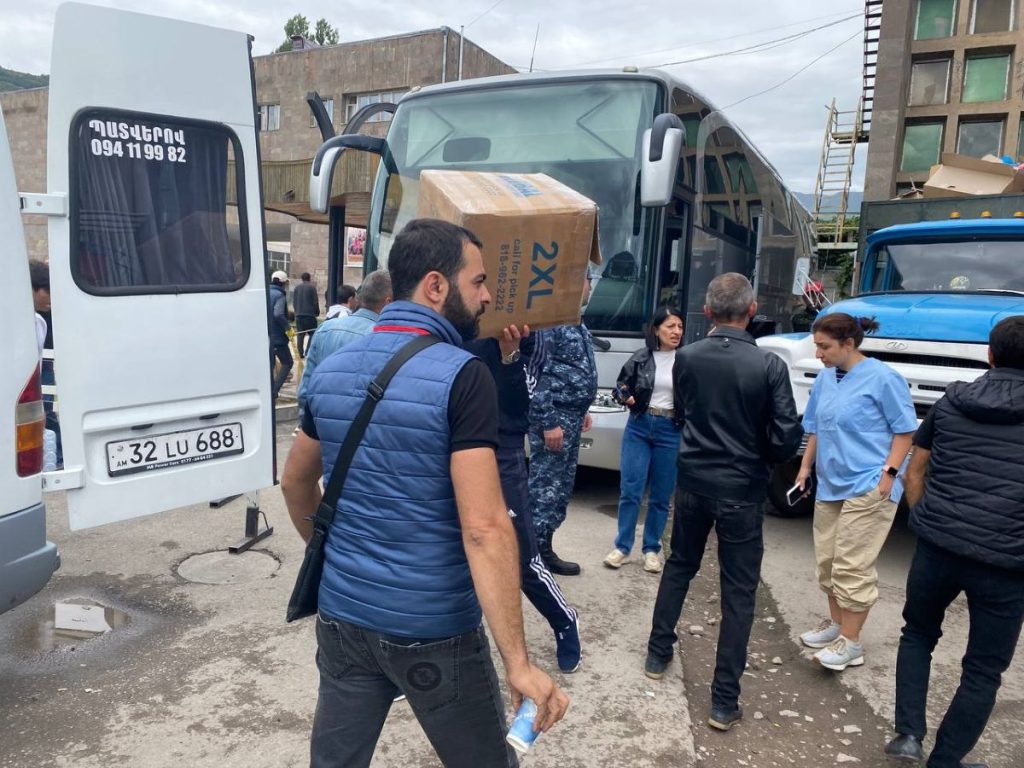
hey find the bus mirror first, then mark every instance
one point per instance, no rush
(801, 276)
(322, 172)
(661, 148)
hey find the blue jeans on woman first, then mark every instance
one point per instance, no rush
(650, 447)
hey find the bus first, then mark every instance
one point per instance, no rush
(723, 208)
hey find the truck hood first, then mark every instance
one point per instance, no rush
(952, 317)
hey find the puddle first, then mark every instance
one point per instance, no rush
(71, 622)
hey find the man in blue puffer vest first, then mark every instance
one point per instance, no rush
(422, 539)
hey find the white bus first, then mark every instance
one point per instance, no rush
(673, 214)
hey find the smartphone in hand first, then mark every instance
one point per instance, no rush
(794, 494)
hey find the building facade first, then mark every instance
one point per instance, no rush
(950, 78)
(347, 76)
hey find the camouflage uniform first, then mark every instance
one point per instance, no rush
(562, 375)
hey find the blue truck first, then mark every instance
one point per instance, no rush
(936, 282)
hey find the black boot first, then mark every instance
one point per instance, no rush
(554, 563)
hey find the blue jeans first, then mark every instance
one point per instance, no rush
(450, 683)
(995, 604)
(650, 446)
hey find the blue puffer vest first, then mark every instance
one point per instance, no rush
(395, 562)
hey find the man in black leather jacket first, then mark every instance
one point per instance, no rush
(967, 507)
(736, 406)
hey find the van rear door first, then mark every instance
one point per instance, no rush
(157, 265)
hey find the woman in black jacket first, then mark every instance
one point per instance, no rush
(650, 441)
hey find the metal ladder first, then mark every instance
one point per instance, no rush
(872, 32)
(835, 172)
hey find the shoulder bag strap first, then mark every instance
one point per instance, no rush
(328, 505)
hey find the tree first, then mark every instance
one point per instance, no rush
(323, 33)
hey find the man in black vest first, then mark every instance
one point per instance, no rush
(966, 492)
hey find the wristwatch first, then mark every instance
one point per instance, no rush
(891, 471)
(511, 357)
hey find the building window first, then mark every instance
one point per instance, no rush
(978, 138)
(278, 260)
(329, 106)
(270, 117)
(986, 77)
(934, 19)
(991, 16)
(356, 102)
(922, 144)
(1020, 141)
(929, 83)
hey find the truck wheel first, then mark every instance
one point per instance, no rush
(783, 477)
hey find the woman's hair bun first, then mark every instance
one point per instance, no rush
(868, 324)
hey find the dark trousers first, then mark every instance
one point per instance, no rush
(304, 327)
(995, 604)
(283, 354)
(538, 584)
(450, 684)
(740, 547)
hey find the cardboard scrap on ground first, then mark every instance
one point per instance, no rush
(962, 176)
(538, 237)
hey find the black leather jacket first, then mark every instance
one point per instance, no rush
(636, 380)
(738, 414)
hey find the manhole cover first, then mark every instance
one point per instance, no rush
(225, 568)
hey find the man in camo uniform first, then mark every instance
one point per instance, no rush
(563, 376)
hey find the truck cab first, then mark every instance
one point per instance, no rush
(157, 279)
(936, 288)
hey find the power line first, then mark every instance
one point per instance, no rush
(804, 68)
(474, 21)
(714, 40)
(766, 45)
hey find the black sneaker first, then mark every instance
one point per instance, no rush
(655, 668)
(905, 748)
(724, 719)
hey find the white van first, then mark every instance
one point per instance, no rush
(157, 282)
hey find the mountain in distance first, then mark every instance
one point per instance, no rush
(12, 80)
(831, 201)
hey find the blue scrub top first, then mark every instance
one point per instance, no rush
(855, 420)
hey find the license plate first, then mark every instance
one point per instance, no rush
(172, 449)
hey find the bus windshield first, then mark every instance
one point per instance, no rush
(962, 265)
(585, 134)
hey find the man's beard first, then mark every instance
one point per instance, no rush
(457, 313)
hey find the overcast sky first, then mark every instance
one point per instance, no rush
(787, 124)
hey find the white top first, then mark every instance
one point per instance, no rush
(661, 397)
(337, 310)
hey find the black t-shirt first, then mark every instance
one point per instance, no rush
(472, 410)
(926, 432)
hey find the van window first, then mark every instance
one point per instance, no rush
(150, 208)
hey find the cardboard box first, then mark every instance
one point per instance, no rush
(538, 234)
(961, 176)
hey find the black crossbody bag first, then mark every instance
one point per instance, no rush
(304, 599)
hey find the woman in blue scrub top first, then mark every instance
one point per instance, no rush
(859, 422)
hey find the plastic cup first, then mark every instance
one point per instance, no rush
(521, 735)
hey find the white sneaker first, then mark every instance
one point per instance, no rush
(652, 563)
(826, 633)
(616, 558)
(841, 654)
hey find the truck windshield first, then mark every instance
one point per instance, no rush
(982, 265)
(585, 134)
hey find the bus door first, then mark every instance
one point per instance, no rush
(157, 265)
